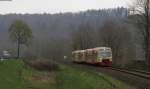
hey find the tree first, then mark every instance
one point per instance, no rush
(141, 12)
(83, 37)
(20, 33)
(116, 36)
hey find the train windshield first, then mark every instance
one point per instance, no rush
(105, 54)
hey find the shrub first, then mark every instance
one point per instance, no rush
(39, 63)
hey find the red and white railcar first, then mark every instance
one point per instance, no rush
(97, 56)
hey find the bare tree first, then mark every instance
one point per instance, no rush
(141, 11)
(117, 37)
(83, 37)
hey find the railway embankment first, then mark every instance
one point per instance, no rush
(134, 78)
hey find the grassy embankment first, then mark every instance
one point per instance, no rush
(15, 75)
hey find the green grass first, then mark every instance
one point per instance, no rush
(9, 75)
(73, 78)
(15, 75)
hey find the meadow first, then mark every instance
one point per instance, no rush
(15, 74)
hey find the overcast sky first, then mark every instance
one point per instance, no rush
(56, 6)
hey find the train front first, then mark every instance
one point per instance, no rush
(105, 56)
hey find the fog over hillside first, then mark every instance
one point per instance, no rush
(56, 26)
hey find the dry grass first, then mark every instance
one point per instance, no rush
(46, 77)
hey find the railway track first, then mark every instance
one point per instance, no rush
(138, 73)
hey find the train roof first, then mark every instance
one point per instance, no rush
(78, 51)
(97, 48)
(92, 49)
(82, 50)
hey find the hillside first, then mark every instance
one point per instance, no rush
(58, 26)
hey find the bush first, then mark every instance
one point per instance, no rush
(39, 63)
(136, 64)
(44, 64)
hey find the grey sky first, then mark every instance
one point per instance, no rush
(56, 6)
